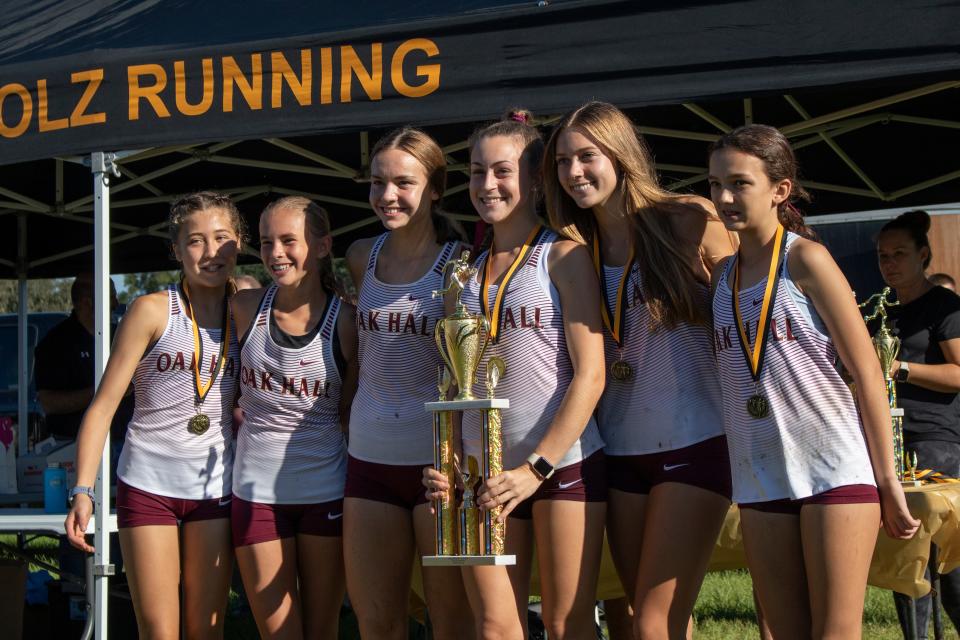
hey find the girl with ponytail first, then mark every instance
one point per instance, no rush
(813, 476)
(179, 349)
(297, 377)
(387, 521)
(660, 413)
(541, 299)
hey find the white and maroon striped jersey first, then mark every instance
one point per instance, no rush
(399, 362)
(160, 454)
(533, 344)
(673, 399)
(812, 440)
(290, 449)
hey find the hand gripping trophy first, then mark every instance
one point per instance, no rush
(464, 537)
(887, 347)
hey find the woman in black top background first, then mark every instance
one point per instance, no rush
(927, 371)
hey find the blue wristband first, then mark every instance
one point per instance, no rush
(88, 491)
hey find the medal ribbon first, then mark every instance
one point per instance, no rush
(754, 356)
(200, 389)
(613, 319)
(493, 315)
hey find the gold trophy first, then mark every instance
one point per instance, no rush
(480, 539)
(887, 347)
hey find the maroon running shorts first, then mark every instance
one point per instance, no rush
(584, 481)
(138, 508)
(704, 464)
(255, 522)
(400, 485)
(847, 494)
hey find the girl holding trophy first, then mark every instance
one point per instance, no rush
(297, 377)
(813, 477)
(386, 516)
(541, 300)
(660, 414)
(179, 348)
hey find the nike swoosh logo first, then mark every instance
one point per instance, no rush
(334, 516)
(756, 302)
(567, 485)
(671, 467)
(304, 363)
(224, 503)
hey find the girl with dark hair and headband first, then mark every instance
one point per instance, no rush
(179, 348)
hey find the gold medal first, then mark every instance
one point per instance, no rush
(198, 424)
(614, 319)
(493, 315)
(621, 370)
(758, 405)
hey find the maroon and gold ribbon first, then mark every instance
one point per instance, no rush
(493, 315)
(200, 389)
(613, 318)
(754, 355)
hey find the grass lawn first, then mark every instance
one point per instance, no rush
(725, 610)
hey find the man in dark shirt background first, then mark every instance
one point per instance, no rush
(63, 366)
(64, 362)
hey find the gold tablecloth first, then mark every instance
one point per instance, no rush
(897, 565)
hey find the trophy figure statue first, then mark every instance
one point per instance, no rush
(480, 539)
(887, 347)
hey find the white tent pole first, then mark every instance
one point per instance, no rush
(23, 357)
(102, 165)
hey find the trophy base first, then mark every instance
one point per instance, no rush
(468, 561)
(910, 483)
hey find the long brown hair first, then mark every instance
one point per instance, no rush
(317, 224)
(779, 163)
(428, 153)
(670, 283)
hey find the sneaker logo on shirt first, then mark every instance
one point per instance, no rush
(224, 502)
(304, 363)
(671, 467)
(757, 301)
(567, 485)
(334, 516)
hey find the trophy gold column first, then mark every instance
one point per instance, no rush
(464, 536)
(887, 347)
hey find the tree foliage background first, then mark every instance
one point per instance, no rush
(43, 295)
(54, 294)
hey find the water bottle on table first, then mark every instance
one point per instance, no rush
(55, 488)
